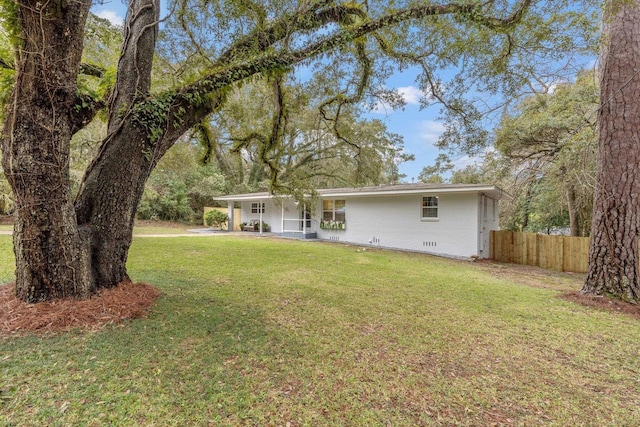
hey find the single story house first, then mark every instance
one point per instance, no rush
(443, 219)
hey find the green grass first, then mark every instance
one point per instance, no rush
(150, 229)
(143, 229)
(265, 332)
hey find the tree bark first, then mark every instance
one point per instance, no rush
(114, 182)
(51, 259)
(613, 255)
(64, 249)
(572, 206)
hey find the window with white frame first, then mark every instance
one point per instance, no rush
(333, 214)
(257, 208)
(430, 207)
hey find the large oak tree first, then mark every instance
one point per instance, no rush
(72, 247)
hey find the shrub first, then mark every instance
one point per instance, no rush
(265, 226)
(215, 218)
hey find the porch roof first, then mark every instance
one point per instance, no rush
(491, 191)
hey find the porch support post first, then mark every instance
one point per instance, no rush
(282, 217)
(260, 209)
(230, 212)
(304, 219)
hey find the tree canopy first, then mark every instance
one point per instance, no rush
(551, 143)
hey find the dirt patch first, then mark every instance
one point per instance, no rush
(108, 306)
(6, 219)
(603, 303)
(536, 277)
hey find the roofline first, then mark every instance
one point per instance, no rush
(491, 190)
(246, 197)
(351, 193)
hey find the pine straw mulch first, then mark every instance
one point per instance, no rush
(108, 306)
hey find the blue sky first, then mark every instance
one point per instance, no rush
(419, 128)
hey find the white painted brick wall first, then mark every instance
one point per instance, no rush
(395, 222)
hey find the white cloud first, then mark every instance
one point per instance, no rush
(410, 94)
(431, 130)
(111, 16)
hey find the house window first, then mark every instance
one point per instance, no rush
(257, 208)
(430, 207)
(334, 210)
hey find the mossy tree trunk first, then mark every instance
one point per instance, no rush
(52, 259)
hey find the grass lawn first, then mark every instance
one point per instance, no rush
(143, 228)
(161, 227)
(257, 331)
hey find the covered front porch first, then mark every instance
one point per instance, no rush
(264, 213)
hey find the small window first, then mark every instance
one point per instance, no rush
(257, 208)
(333, 214)
(430, 207)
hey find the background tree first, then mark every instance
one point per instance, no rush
(181, 186)
(312, 152)
(550, 142)
(544, 156)
(71, 247)
(613, 255)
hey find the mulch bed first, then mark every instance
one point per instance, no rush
(603, 303)
(108, 306)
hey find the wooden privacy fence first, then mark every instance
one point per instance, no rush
(562, 253)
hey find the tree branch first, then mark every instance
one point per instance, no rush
(238, 71)
(84, 110)
(312, 18)
(136, 59)
(91, 70)
(195, 101)
(86, 69)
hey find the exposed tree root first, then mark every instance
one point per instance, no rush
(108, 306)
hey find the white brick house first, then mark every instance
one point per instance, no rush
(444, 219)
